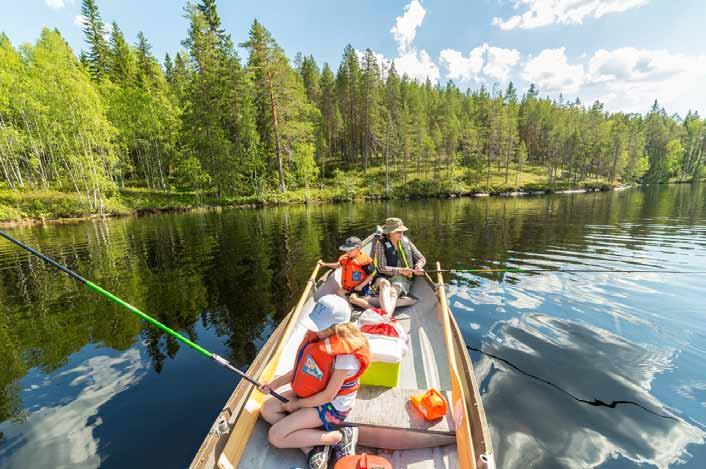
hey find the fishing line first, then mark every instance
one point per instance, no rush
(568, 271)
(594, 403)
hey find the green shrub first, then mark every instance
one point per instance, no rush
(8, 213)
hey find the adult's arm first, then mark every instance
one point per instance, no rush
(418, 258)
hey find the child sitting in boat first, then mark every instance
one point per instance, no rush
(357, 270)
(324, 381)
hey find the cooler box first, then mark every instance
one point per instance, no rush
(386, 355)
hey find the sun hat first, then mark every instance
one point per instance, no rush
(329, 310)
(350, 244)
(392, 225)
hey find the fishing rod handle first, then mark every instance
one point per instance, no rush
(279, 397)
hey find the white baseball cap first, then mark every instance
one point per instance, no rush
(329, 310)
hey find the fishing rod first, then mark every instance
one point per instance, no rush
(217, 358)
(528, 271)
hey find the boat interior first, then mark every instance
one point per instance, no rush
(387, 423)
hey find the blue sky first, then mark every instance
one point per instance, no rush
(624, 52)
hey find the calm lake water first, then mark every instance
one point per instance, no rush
(577, 370)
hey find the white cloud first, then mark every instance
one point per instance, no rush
(538, 13)
(551, 71)
(55, 4)
(405, 28)
(483, 62)
(499, 62)
(80, 21)
(418, 65)
(632, 64)
(630, 79)
(462, 68)
(625, 79)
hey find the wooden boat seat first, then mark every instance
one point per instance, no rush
(390, 408)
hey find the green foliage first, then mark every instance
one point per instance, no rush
(305, 168)
(674, 154)
(345, 184)
(231, 132)
(48, 204)
(97, 57)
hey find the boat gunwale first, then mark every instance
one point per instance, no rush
(458, 356)
(236, 402)
(481, 440)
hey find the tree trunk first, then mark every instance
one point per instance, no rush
(275, 129)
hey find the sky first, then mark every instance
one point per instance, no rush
(625, 53)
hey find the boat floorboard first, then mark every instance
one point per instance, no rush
(424, 366)
(383, 407)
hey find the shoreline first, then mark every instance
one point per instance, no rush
(138, 212)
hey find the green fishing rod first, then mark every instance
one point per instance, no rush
(529, 271)
(217, 358)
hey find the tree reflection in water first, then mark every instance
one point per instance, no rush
(227, 277)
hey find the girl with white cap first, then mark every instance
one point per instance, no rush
(324, 380)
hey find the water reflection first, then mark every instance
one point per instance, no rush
(60, 434)
(75, 365)
(589, 362)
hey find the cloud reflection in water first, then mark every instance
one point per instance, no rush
(61, 434)
(563, 432)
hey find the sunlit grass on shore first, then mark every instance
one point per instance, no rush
(18, 205)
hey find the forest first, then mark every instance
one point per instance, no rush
(113, 129)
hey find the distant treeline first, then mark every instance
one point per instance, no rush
(208, 121)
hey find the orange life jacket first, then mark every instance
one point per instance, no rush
(314, 364)
(353, 270)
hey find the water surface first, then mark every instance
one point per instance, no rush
(577, 370)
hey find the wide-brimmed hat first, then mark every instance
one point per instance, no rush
(329, 310)
(392, 225)
(350, 244)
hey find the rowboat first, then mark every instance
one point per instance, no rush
(437, 357)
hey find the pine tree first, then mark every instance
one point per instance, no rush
(217, 118)
(284, 115)
(370, 105)
(121, 58)
(329, 115)
(311, 78)
(94, 31)
(348, 81)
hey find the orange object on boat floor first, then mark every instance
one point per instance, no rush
(430, 404)
(363, 461)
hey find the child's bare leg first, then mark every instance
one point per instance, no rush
(272, 410)
(359, 301)
(300, 429)
(342, 292)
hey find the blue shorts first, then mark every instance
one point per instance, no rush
(330, 417)
(366, 291)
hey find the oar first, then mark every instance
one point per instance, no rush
(605, 271)
(218, 359)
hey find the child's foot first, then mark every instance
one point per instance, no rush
(345, 447)
(318, 457)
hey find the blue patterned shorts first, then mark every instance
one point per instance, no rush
(330, 417)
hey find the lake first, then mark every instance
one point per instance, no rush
(576, 369)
